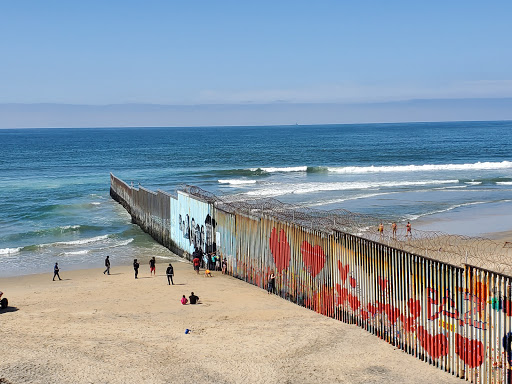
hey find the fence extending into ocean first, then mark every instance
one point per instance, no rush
(458, 318)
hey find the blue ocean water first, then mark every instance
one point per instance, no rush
(55, 204)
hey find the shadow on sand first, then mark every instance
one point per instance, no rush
(8, 309)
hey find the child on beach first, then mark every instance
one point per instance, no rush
(224, 266)
(207, 273)
(184, 300)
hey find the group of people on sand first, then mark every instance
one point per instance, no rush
(208, 261)
(136, 265)
(192, 299)
(394, 228)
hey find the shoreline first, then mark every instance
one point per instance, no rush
(115, 329)
(497, 237)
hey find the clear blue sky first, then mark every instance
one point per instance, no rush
(187, 52)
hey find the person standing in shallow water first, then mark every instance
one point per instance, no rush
(56, 271)
(107, 266)
(136, 267)
(152, 266)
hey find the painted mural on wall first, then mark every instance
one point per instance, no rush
(439, 324)
(194, 226)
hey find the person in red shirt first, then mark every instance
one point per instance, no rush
(196, 262)
(184, 300)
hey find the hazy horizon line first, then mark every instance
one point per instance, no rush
(61, 115)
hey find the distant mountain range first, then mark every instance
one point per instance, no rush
(45, 115)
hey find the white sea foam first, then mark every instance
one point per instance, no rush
(504, 182)
(95, 203)
(70, 227)
(77, 242)
(473, 182)
(305, 188)
(282, 169)
(237, 181)
(341, 200)
(83, 252)
(423, 167)
(9, 251)
(122, 243)
(451, 208)
(451, 187)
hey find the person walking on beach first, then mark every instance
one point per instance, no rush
(381, 229)
(408, 230)
(393, 229)
(196, 262)
(152, 266)
(170, 273)
(184, 300)
(107, 266)
(193, 298)
(56, 271)
(271, 283)
(136, 267)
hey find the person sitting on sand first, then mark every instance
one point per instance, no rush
(184, 300)
(207, 273)
(193, 298)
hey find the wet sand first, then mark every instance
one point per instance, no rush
(93, 328)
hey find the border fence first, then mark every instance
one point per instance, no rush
(455, 316)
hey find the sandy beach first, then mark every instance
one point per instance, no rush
(95, 328)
